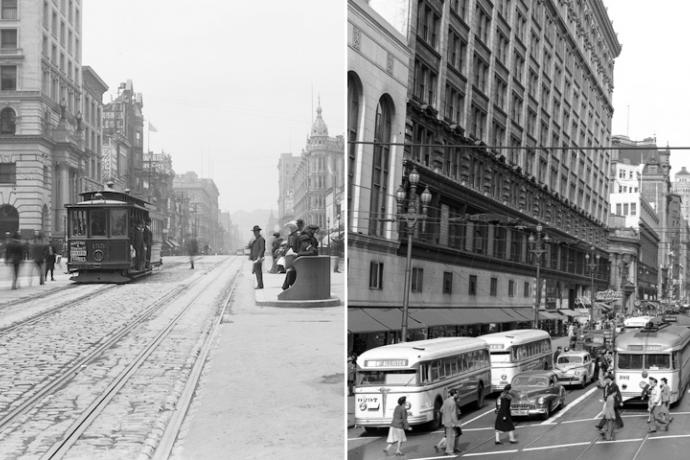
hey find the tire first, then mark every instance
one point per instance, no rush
(547, 414)
(562, 401)
(480, 397)
(435, 424)
(583, 385)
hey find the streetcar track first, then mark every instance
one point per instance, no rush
(86, 418)
(36, 296)
(68, 372)
(45, 313)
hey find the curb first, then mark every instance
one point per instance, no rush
(332, 302)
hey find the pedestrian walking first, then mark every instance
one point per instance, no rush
(38, 255)
(14, 253)
(449, 419)
(609, 416)
(557, 353)
(192, 250)
(256, 254)
(611, 388)
(653, 405)
(665, 393)
(396, 431)
(50, 261)
(504, 421)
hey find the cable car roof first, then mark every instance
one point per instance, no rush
(110, 196)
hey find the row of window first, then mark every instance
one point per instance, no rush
(451, 366)
(627, 189)
(417, 282)
(626, 209)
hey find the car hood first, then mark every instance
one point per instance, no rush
(527, 392)
(567, 367)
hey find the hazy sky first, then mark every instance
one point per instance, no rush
(228, 85)
(652, 73)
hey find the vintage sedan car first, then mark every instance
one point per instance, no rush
(536, 393)
(575, 368)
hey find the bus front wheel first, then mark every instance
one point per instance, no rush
(436, 422)
(480, 396)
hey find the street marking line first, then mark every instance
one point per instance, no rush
(669, 436)
(557, 446)
(434, 458)
(365, 437)
(477, 417)
(567, 407)
(619, 440)
(478, 429)
(475, 454)
(579, 420)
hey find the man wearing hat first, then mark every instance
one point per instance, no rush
(256, 254)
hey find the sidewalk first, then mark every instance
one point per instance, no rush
(273, 382)
(29, 285)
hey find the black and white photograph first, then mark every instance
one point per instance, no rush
(172, 229)
(518, 237)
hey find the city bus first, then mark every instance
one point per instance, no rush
(424, 371)
(659, 350)
(516, 351)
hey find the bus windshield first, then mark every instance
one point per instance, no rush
(500, 356)
(651, 361)
(399, 377)
(661, 361)
(628, 361)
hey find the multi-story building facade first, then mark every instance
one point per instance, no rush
(378, 67)
(200, 197)
(321, 163)
(123, 128)
(287, 165)
(44, 158)
(501, 96)
(92, 125)
(681, 186)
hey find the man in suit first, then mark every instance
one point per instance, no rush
(258, 249)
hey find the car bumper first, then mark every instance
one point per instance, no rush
(384, 422)
(528, 411)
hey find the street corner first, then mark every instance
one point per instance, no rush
(273, 287)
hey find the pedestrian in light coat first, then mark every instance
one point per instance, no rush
(504, 421)
(258, 250)
(449, 419)
(653, 406)
(396, 432)
(609, 415)
(665, 394)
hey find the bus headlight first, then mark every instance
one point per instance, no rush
(408, 405)
(504, 377)
(363, 406)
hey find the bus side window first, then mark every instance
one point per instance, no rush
(435, 365)
(423, 373)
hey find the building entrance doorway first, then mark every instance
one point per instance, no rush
(9, 219)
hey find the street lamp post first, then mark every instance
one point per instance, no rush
(538, 248)
(593, 264)
(411, 218)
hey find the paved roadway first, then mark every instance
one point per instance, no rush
(568, 435)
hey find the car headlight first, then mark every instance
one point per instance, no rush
(540, 400)
(363, 406)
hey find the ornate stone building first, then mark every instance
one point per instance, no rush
(317, 173)
(45, 159)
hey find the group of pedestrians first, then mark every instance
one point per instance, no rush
(300, 241)
(659, 397)
(40, 251)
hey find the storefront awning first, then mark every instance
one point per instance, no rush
(550, 315)
(573, 313)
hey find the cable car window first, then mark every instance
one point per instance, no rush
(118, 222)
(97, 222)
(78, 222)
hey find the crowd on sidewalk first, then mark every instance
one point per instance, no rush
(40, 253)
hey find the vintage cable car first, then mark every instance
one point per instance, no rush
(112, 237)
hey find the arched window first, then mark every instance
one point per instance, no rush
(7, 121)
(354, 93)
(380, 166)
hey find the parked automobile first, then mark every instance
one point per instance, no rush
(575, 367)
(536, 393)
